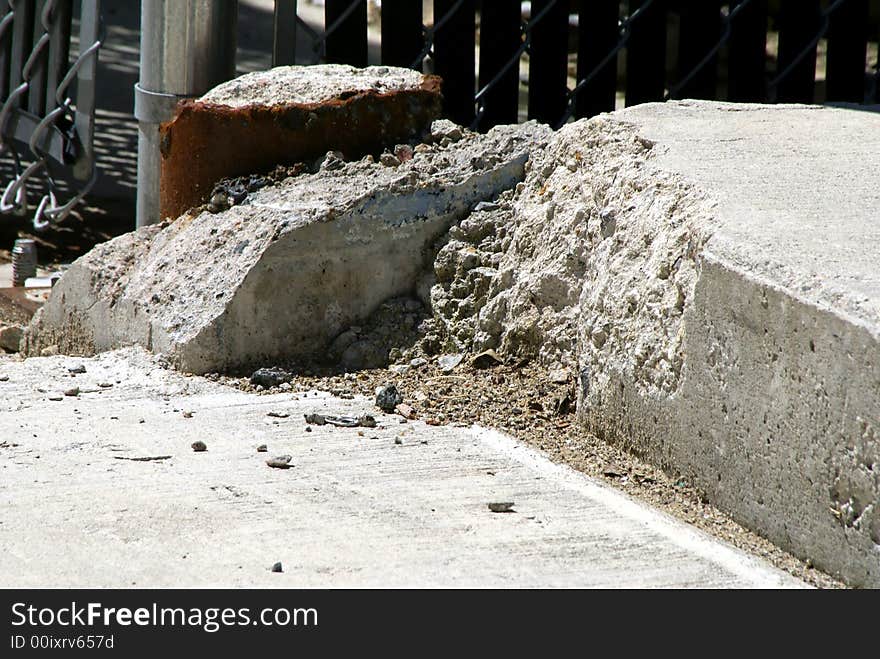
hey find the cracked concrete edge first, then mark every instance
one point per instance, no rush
(788, 451)
(632, 271)
(770, 400)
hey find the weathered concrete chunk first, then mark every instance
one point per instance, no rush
(10, 337)
(287, 115)
(709, 272)
(740, 294)
(282, 274)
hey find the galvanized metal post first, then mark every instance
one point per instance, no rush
(187, 47)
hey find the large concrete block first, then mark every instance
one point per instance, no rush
(711, 273)
(730, 315)
(280, 275)
(287, 115)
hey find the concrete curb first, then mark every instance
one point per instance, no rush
(769, 387)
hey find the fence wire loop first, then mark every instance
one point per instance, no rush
(48, 200)
(55, 136)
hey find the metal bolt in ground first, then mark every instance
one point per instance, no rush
(24, 261)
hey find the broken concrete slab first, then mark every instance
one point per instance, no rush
(763, 387)
(281, 275)
(710, 272)
(287, 115)
(729, 322)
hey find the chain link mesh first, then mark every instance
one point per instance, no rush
(728, 23)
(56, 130)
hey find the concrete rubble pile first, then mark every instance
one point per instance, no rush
(291, 263)
(718, 306)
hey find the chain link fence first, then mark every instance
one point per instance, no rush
(501, 60)
(493, 52)
(48, 110)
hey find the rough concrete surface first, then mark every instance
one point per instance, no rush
(285, 85)
(771, 386)
(710, 272)
(107, 491)
(287, 115)
(280, 275)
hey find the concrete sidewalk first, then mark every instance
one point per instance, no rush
(81, 507)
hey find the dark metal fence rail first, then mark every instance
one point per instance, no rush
(719, 47)
(573, 49)
(40, 124)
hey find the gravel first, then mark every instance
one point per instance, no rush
(524, 400)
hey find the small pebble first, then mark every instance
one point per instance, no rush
(76, 369)
(199, 446)
(389, 160)
(277, 567)
(262, 448)
(74, 391)
(559, 376)
(448, 363)
(406, 411)
(388, 397)
(280, 462)
(403, 152)
(269, 377)
(501, 507)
